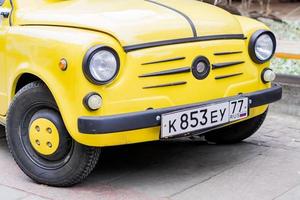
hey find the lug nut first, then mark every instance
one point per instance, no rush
(37, 128)
(49, 130)
(49, 144)
(38, 142)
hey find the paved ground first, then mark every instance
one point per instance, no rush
(265, 167)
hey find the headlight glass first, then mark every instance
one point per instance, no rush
(264, 47)
(101, 65)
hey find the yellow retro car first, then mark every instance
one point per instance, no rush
(77, 75)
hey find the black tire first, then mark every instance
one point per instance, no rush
(71, 168)
(2, 131)
(237, 132)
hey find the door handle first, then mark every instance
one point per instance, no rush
(5, 12)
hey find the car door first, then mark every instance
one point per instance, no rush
(5, 9)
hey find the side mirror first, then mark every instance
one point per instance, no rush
(4, 12)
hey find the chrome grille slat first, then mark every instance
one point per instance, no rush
(226, 64)
(166, 85)
(227, 53)
(227, 76)
(162, 61)
(167, 72)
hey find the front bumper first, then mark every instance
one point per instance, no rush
(151, 118)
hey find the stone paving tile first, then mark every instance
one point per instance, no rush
(34, 197)
(279, 131)
(8, 193)
(264, 177)
(292, 194)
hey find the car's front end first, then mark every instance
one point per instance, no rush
(84, 74)
(185, 75)
(132, 78)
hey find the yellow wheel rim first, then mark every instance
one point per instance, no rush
(44, 136)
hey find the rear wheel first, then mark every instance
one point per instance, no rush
(40, 143)
(237, 132)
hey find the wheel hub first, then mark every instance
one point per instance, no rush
(44, 136)
(48, 136)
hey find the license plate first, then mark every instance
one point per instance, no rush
(196, 119)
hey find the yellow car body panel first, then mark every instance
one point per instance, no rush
(131, 21)
(43, 32)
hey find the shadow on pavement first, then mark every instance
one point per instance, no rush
(164, 168)
(161, 168)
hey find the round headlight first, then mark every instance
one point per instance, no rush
(262, 46)
(101, 65)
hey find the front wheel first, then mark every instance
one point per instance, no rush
(237, 132)
(40, 143)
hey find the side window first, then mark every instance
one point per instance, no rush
(1, 2)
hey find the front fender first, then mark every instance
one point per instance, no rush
(249, 26)
(38, 50)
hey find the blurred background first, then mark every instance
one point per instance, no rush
(283, 17)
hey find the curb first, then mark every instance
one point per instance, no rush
(290, 102)
(288, 79)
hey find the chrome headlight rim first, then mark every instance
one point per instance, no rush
(252, 44)
(87, 59)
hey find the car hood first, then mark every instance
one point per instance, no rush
(133, 21)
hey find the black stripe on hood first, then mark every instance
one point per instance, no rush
(179, 12)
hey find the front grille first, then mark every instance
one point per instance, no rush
(217, 66)
(179, 69)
